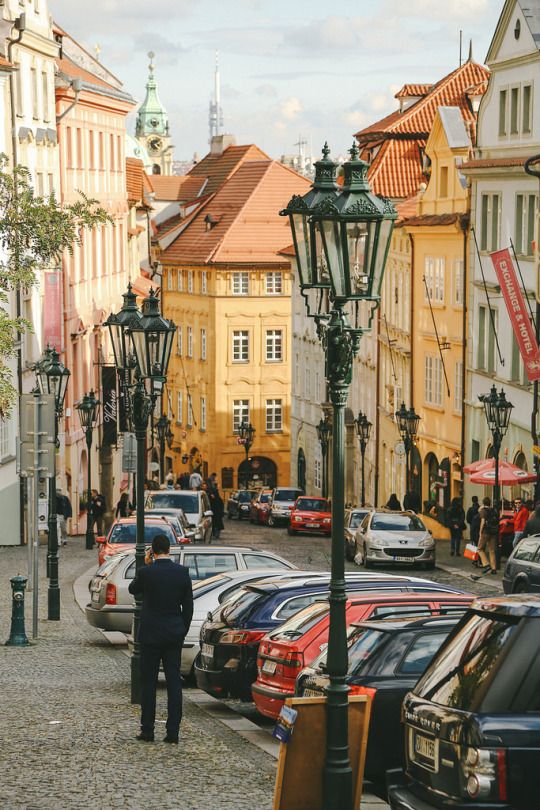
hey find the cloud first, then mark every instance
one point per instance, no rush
(228, 91)
(291, 108)
(444, 12)
(80, 21)
(267, 90)
(167, 51)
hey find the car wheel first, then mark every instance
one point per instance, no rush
(365, 562)
(520, 587)
(349, 555)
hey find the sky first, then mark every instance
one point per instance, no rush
(289, 68)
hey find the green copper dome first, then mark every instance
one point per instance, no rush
(152, 116)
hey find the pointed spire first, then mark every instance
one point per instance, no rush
(152, 116)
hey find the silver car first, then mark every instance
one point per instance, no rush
(353, 519)
(394, 537)
(111, 604)
(195, 505)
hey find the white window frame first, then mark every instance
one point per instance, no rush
(189, 341)
(240, 282)
(7, 449)
(170, 280)
(204, 282)
(180, 407)
(189, 422)
(202, 426)
(179, 340)
(274, 415)
(433, 376)
(274, 282)
(274, 346)
(203, 343)
(489, 241)
(240, 413)
(190, 281)
(434, 272)
(317, 470)
(240, 346)
(180, 281)
(457, 282)
(458, 386)
(525, 227)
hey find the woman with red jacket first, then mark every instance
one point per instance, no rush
(521, 516)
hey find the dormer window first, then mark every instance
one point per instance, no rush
(210, 221)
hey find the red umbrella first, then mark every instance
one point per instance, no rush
(476, 466)
(509, 475)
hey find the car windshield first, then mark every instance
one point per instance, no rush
(286, 495)
(312, 505)
(301, 622)
(264, 497)
(126, 533)
(396, 523)
(240, 607)
(356, 519)
(176, 500)
(362, 645)
(245, 495)
(463, 671)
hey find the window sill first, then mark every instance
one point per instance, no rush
(433, 407)
(278, 430)
(273, 362)
(7, 459)
(240, 362)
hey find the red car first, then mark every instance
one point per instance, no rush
(122, 535)
(260, 507)
(310, 515)
(293, 645)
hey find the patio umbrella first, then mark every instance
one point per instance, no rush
(509, 475)
(476, 466)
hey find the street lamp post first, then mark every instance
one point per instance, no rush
(141, 342)
(163, 428)
(88, 408)
(324, 431)
(363, 428)
(247, 434)
(497, 410)
(407, 421)
(341, 240)
(52, 378)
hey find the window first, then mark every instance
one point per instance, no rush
(190, 281)
(169, 409)
(292, 606)
(526, 205)
(263, 560)
(307, 381)
(475, 450)
(203, 344)
(35, 99)
(274, 283)
(202, 566)
(19, 90)
(189, 341)
(491, 342)
(434, 275)
(317, 472)
(458, 282)
(514, 110)
(433, 380)
(526, 109)
(170, 280)
(203, 413)
(45, 95)
(273, 416)
(180, 341)
(240, 346)
(526, 550)
(204, 282)
(240, 283)
(274, 345)
(180, 407)
(490, 221)
(240, 413)
(6, 438)
(420, 653)
(458, 386)
(180, 284)
(443, 185)
(189, 422)
(517, 371)
(481, 355)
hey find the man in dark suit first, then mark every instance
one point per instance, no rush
(167, 609)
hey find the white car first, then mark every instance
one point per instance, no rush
(195, 505)
(394, 537)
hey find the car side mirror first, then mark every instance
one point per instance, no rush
(100, 539)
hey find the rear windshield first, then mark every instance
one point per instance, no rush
(356, 519)
(108, 565)
(126, 533)
(300, 623)
(176, 500)
(363, 644)
(312, 505)
(241, 606)
(462, 673)
(286, 495)
(207, 585)
(397, 523)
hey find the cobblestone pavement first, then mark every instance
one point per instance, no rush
(68, 728)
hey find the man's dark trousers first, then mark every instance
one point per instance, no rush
(151, 656)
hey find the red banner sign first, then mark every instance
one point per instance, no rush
(52, 311)
(519, 316)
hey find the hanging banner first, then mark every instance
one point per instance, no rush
(123, 423)
(52, 307)
(517, 310)
(110, 405)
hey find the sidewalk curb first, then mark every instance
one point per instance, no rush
(458, 572)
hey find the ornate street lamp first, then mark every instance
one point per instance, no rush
(498, 411)
(341, 239)
(88, 408)
(52, 378)
(363, 428)
(246, 433)
(324, 431)
(142, 341)
(163, 428)
(407, 421)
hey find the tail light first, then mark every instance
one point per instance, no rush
(484, 770)
(292, 663)
(241, 637)
(110, 595)
(354, 689)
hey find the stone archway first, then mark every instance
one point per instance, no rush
(257, 472)
(301, 469)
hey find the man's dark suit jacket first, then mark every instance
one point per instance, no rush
(167, 602)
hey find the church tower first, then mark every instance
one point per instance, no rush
(152, 127)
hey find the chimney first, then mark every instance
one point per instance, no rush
(220, 143)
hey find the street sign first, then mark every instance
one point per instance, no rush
(46, 417)
(46, 459)
(129, 453)
(240, 440)
(536, 450)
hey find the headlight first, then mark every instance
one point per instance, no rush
(297, 518)
(427, 542)
(375, 541)
(327, 520)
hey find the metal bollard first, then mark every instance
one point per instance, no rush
(17, 635)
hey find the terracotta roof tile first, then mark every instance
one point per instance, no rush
(432, 219)
(69, 68)
(413, 90)
(494, 163)
(175, 188)
(134, 179)
(407, 208)
(218, 168)
(397, 170)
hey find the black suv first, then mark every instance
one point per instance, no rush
(472, 722)
(239, 503)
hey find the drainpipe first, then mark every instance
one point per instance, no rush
(534, 415)
(20, 25)
(377, 411)
(464, 222)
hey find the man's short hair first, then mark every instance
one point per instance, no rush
(161, 544)
(486, 501)
(475, 498)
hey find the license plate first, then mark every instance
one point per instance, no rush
(95, 597)
(269, 667)
(402, 559)
(207, 650)
(425, 751)
(313, 525)
(311, 693)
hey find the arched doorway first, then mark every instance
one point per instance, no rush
(416, 476)
(257, 472)
(301, 469)
(431, 467)
(445, 478)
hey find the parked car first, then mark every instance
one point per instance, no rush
(230, 639)
(260, 507)
(353, 519)
(522, 570)
(311, 515)
(239, 503)
(195, 505)
(386, 658)
(472, 722)
(111, 604)
(395, 537)
(122, 535)
(281, 503)
(178, 519)
(297, 642)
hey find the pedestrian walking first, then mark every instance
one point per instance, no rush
(99, 507)
(147, 495)
(533, 524)
(393, 503)
(63, 514)
(521, 516)
(167, 609)
(455, 519)
(184, 480)
(489, 536)
(195, 480)
(218, 509)
(212, 483)
(123, 507)
(473, 519)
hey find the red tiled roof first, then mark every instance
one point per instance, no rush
(432, 219)
(413, 90)
(142, 285)
(494, 163)
(397, 170)
(218, 168)
(407, 208)
(134, 179)
(245, 210)
(65, 65)
(175, 188)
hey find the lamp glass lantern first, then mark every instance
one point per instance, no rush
(88, 408)
(57, 377)
(119, 325)
(40, 369)
(401, 419)
(489, 401)
(247, 432)
(152, 338)
(413, 420)
(162, 426)
(363, 427)
(503, 412)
